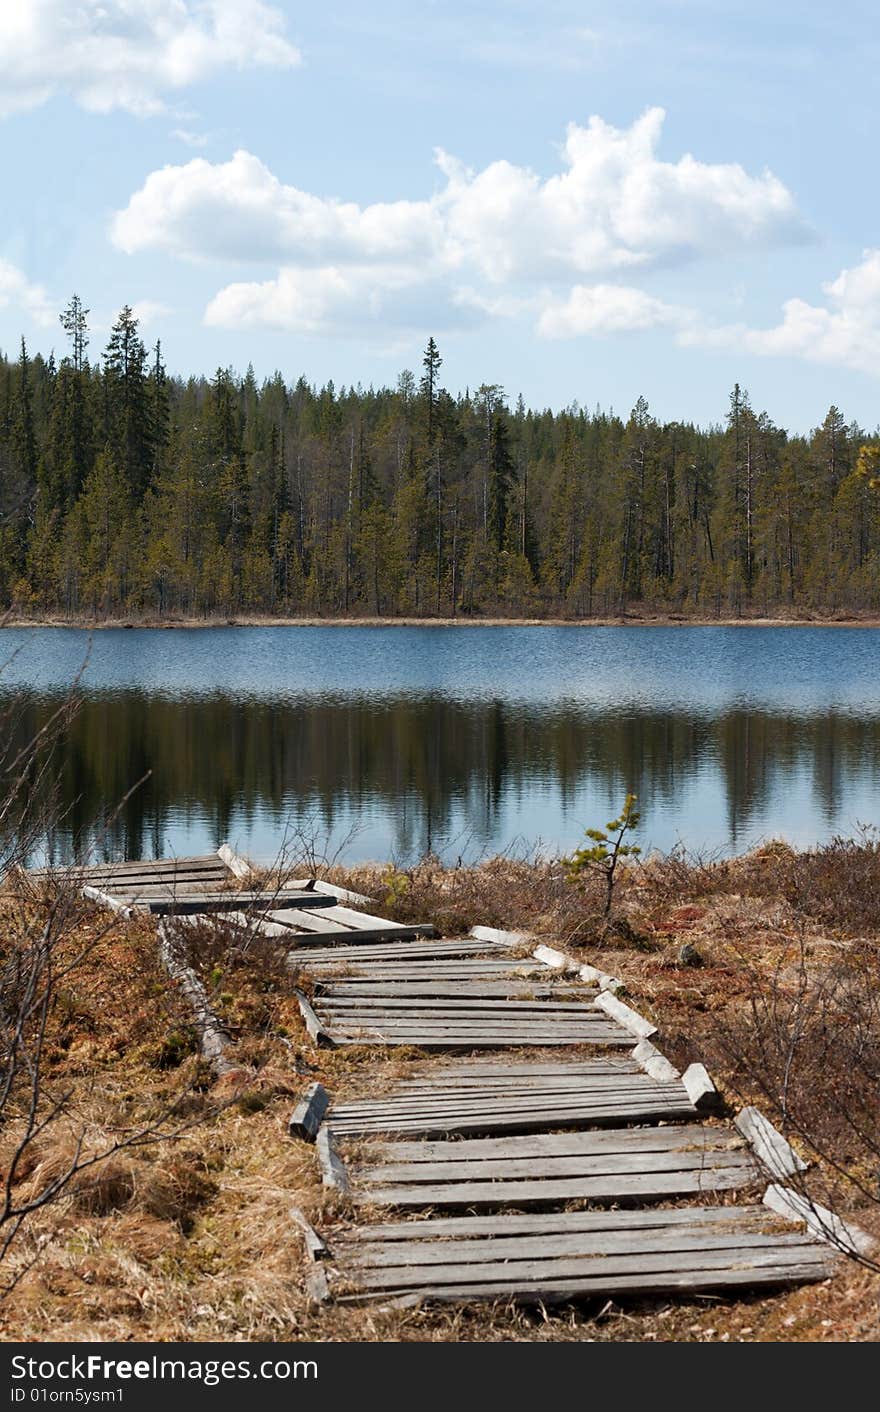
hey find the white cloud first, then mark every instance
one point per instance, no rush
(608, 308)
(150, 311)
(16, 291)
(614, 206)
(188, 138)
(127, 53)
(844, 331)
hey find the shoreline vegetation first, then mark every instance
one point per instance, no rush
(647, 619)
(766, 968)
(131, 495)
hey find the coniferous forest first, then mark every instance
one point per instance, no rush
(126, 491)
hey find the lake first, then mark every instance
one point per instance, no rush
(389, 742)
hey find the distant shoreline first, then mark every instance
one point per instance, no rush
(639, 620)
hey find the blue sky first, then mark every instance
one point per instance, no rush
(580, 201)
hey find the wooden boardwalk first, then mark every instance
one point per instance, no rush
(564, 1102)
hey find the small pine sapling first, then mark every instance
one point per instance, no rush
(606, 851)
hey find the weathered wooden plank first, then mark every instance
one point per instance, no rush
(467, 1100)
(454, 1069)
(780, 1257)
(648, 1186)
(312, 1023)
(499, 1106)
(820, 1222)
(748, 1218)
(552, 1088)
(460, 1042)
(467, 1025)
(625, 1015)
(308, 1115)
(394, 949)
(132, 867)
(342, 894)
(557, 1291)
(596, 1164)
(362, 987)
(770, 1146)
(333, 1173)
(280, 921)
(465, 1005)
(656, 1139)
(302, 943)
(526, 1119)
(522, 1248)
(395, 970)
(165, 902)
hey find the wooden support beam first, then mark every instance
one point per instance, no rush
(312, 1023)
(768, 1145)
(235, 862)
(308, 1115)
(820, 1222)
(317, 1248)
(624, 1015)
(649, 1058)
(105, 899)
(501, 938)
(213, 1040)
(333, 1171)
(700, 1088)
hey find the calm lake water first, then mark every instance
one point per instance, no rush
(465, 741)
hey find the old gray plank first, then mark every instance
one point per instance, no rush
(628, 1186)
(514, 1249)
(656, 1139)
(396, 950)
(525, 1120)
(390, 1005)
(539, 1223)
(361, 987)
(592, 1164)
(781, 1251)
(304, 942)
(474, 1100)
(558, 1291)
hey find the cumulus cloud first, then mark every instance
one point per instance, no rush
(17, 291)
(845, 330)
(127, 53)
(608, 308)
(497, 235)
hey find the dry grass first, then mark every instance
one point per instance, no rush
(195, 1240)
